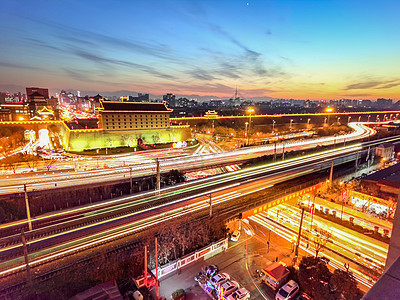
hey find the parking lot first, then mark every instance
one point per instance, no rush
(240, 264)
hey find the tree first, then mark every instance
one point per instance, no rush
(345, 286)
(320, 240)
(314, 277)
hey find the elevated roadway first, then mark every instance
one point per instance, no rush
(13, 185)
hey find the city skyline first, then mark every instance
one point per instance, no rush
(279, 49)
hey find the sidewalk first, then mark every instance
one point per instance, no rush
(354, 212)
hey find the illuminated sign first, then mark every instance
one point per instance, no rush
(368, 198)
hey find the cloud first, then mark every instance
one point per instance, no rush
(17, 66)
(388, 86)
(69, 34)
(373, 85)
(201, 74)
(357, 95)
(90, 56)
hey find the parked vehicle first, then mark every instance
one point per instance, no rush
(228, 288)
(137, 295)
(211, 270)
(275, 275)
(235, 236)
(240, 294)
(288, 291)
(219, 279)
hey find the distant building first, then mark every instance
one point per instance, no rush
(30, 91)
(139, 98)
(16, 111)
(5, 114)
(384, 103)
(133, 115)
(170, 100)
(385, 151)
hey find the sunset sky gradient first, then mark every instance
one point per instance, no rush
(311, 49)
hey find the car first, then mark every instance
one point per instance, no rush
(288, 291)
(211, 270)
(219, 279)
(228, 288)
(240, 294)
(235, 236)
(137, 295)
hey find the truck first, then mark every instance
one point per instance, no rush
(275, 275)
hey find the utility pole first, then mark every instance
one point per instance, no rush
(356, 161)
(158, 176)
(157, 282)
(145, 266)
(130, 178)
(210, 206)
(24, 246)
(331, 174)
(296, 252)
(28, 212)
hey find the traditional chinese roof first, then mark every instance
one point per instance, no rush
(134, 106)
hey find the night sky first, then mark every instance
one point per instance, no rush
(292, 49)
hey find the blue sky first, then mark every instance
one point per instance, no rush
(312, 49)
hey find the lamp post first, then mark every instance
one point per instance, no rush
(290, 126)
(273, 125)
(338, 120)
(325, 121)
(329, 110)
(250, 110)
(246, 133)
(369, 116)
(359, 119)
(348, 119)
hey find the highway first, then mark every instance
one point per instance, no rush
(343, 244)
(117, 222)
(148, 167)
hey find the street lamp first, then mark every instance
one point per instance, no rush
(369, 116)
(329, 110)
(308, 121)
(348, 119)
(359, 119)
(245, 132)
(290, 126)
(250, 111)
(338, 120)
(273, 125)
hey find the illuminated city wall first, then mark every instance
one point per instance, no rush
(80, 140)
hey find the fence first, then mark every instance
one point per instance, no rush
(193, 257)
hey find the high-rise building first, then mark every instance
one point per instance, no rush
(170, 100)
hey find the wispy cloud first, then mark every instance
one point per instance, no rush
(375, 84)
(356, 95)
(17, 66)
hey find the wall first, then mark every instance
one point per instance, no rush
(80, 140)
